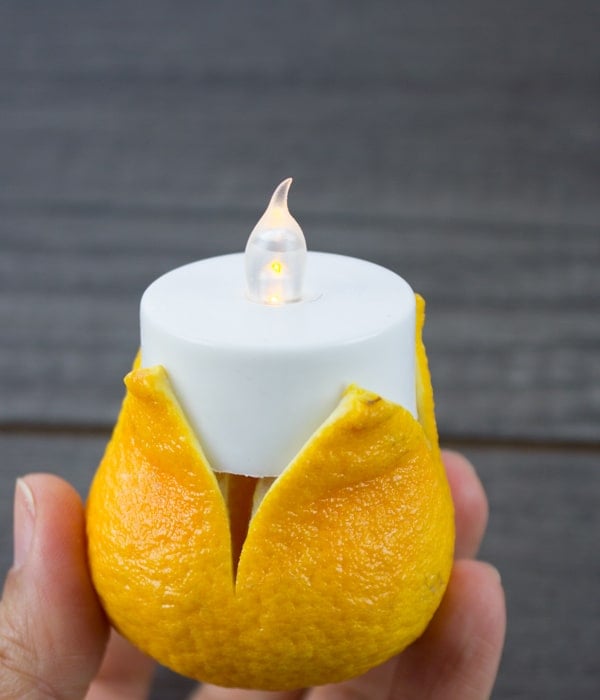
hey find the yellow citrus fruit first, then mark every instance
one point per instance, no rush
(311, 578)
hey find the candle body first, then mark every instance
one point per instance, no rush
(255, 381)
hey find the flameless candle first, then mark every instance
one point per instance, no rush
(260, 346)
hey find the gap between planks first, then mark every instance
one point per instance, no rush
(462, 442)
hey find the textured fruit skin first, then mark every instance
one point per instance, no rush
(344, 564)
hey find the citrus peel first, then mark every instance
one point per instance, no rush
(310, 578)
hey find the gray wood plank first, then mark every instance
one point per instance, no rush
(357, 42)
(443, 154)
(543, 536)
(475, 109)
(513, 330)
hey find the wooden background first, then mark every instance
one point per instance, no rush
(454, 142)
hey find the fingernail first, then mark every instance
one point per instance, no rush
(24, 518)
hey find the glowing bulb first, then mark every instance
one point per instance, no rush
(276, 253)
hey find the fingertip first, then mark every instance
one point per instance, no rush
(476, 592)
(125, 672)
(59, 549)
(470, 503)
(62, 543)
(479, 582)
(493, 573)
(460, 467)
(473, 614)
(459, 653)
(51, 499)
(51, 490)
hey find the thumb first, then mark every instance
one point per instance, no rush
(52, 630)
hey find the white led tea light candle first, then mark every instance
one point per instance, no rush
(260, 346)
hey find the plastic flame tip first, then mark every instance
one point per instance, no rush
(276, 253)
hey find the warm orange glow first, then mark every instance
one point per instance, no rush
(275, 257)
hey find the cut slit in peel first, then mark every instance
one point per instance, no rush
(334, 567)
(243, 496)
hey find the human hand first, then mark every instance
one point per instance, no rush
(55, 640)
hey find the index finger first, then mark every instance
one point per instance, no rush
(470, 504)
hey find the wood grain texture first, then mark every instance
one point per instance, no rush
(472, 109)
(543, 537)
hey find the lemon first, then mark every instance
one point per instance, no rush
(310, 578)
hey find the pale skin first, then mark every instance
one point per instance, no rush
(55, 641)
